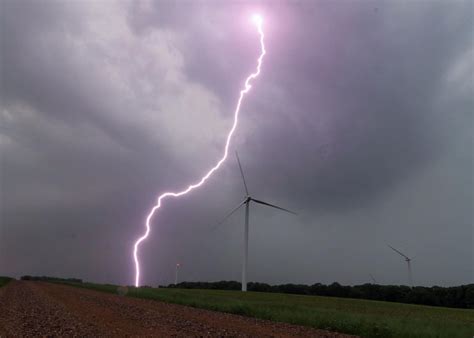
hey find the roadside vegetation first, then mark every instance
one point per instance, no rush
(365, 318)
(4, 280)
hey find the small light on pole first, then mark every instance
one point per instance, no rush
(176, 275)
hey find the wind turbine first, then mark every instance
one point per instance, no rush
(408, 260)
(246, 202)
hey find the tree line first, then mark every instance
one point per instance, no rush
(51, 279)
(456, 296)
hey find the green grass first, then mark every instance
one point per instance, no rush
(360, 317)
(4, 280)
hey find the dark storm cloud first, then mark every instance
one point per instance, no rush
(363, 111)
(361, 121)
(45, 71)
(359, 111)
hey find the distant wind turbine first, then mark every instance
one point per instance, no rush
(408, 260)
(246, 202)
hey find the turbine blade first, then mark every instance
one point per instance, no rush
(229, 214)
(391, 247)
(242, 173)
(273, 206)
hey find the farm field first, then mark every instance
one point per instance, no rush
(39, 309)
(352, 316)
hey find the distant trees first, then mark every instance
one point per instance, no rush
(4, 280)
(457, 296)
(51, 279)
(222, 285)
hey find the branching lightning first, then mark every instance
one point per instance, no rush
(257, 19)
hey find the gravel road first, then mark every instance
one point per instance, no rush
(44, 309)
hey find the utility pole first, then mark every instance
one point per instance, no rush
(176, 275)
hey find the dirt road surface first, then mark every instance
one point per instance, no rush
(44, 309)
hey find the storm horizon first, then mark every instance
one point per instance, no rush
(361, 121)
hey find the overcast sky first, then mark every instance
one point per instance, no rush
(361, 121)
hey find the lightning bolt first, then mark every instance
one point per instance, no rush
(258, 22)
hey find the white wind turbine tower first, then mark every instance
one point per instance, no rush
(408, 260)
(246, 202)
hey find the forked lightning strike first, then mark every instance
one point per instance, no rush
(258, 21)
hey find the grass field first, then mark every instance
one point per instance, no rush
(360, 317)
(4, 280)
